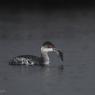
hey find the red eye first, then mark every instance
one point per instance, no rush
(50, 46)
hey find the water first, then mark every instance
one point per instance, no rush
(70, 29)
(77, 77)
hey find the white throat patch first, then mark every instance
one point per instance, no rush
(46, 50)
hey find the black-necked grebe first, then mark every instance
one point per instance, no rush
(35, 60)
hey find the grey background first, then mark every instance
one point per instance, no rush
(70, 27)
(26, 25)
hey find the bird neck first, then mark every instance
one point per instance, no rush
(45, 57)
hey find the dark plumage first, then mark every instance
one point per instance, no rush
(48, 44)
(26, 60)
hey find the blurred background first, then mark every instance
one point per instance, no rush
(39, 19)
(69, 24)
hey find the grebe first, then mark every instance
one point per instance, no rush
(34, 60)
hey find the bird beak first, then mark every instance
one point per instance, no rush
(59, 53)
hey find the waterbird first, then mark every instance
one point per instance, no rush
(42, 60)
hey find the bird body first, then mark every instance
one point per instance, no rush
(36, 60)
(25, 60)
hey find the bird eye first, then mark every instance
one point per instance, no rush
(50, 46)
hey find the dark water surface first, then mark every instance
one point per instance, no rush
(71, 27)
(77, 78)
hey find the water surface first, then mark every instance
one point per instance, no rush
(77, 77)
